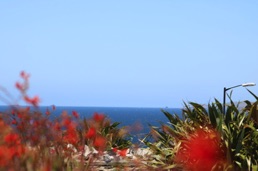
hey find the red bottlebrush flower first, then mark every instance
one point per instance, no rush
(47, 112)
(35, 139)
(19, 86)
(13, 112)
(71, 135)
(34, 101)
(67, 122)
(98, 117)
(122, 152)
(201, 152)
(19, 114)
(57, 126)
(12, 139)
(17, 150)
(91, 133)
(14, 122)
(5, 155)
(115, 150)
(75, 114)
(27, 109)
(36, 124)
(24, 75)
(100, 143)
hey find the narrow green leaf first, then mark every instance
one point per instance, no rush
(253, 94)
(239, 141)
(219, 105)
(169, 116)
(212, 116)
(115, 124)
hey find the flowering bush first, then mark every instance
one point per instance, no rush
(11, 147)
(206, 139)
(30, 140)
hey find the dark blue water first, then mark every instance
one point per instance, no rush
(124, 115)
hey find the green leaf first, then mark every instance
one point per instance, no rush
(239, 141)
(219, 105)
(212, 115)
(115, 124)
(170, 117)
(253, 94)
(199, 107)
(253, 112)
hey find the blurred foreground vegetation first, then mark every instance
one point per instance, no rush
(203, 139)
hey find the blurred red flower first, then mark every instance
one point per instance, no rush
(10, 148)
(12, 139)
(14, 122)
(98, 117)
(100, 143)
(33, 101)
(201, 151)
(122, 152)
(19, 86)
(5, 155)
(75, 114)
(71, 135)
(24, 75)
(67, 121)
(115, 150)
(91, 133)
(47, 112)
(57, 126)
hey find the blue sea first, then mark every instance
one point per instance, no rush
(126, 116)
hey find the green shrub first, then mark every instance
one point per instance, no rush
(238, 131)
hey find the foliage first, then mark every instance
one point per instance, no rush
(235, 134)
(30, 140)
(203, 139)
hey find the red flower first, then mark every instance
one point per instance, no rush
(13, 112)
(19, 114)
(19, 86)
(201, 152)
(14, 122)
(98, 117)
(75, 114)
(16, 151)
(27, 109)
(34, 101)
(91, 133)
(67, 122)
(12, 139)
(100, 143)
(5, 155)
(57, 126)
(47, 112)
(36, 124)
(71, 135)
(115, 150)
(24, 75)
(122, 152)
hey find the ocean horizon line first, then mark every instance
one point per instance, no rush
(76, 106)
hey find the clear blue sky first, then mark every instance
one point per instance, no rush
(137, 53)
